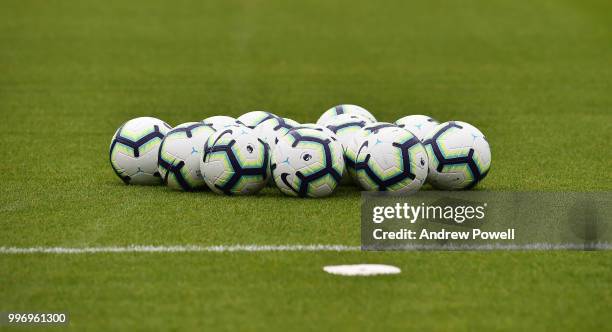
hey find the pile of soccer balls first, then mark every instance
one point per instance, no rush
(347, 144)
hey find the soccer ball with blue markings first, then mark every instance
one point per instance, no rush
(317, 127)
(345, 126)
(180, 153)
(252, 119)
(459, 156)
(393, 160)
(271, 130)
(134, 149)
(235, 161)
(219, 122)
(335, 111)
(353, 145)
(419, 125)
(307, 162)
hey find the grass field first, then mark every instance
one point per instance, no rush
(535, 77)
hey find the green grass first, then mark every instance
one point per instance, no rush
(534, 77)
(465, 291)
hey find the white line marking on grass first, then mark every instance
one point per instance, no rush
(498, 247)
(171, 249)
(296, 248)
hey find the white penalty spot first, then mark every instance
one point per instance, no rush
(361, 269)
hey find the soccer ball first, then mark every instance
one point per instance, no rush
(352, 146)
(309, 126)
(219, 122)
(272, 129)
(419, 125)
(391, 160)
(180, 153)
(235, 161)
(252, 119)
(459, 156)
(345, 126)
(307, 163)
(134, 148)
(319, 128)
(333, 112)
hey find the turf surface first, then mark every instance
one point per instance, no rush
(247, 291)
(535, 78)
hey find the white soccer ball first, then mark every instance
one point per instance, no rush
(459, 156)
(180, 153)
(235, 161)
(419, 125)
(391, 160)
(134, 148)
(319, 128)
(345, 126)
(272, 129)
(307, 163)
(252, 119)
(309, 126)
(219, 122)
(333, 112)
(352, 146)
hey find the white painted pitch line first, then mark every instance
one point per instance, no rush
(289, 248)
(497, 246)
(171, 249)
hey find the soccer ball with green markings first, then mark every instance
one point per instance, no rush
(459, 156)
(252, 119)
(134, 148)
(392, 159)
(180, 153)
(335, 111)
(272, 129)
(419, 125)
(353, 145)
(219, 122)
(307, 162)
(235, 161)
(345, 126)
(319, 128)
